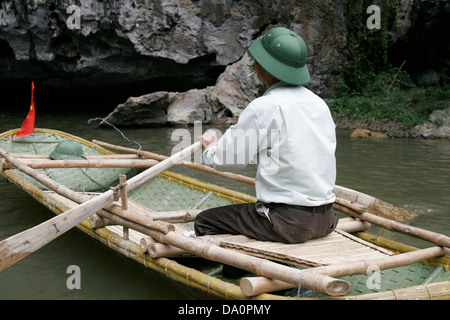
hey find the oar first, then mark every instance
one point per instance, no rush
(377, 206)
(22, 244)
(87, 156)
(197, 166)
(360, 212)
(81, 163)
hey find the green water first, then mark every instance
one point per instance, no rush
(413, 174)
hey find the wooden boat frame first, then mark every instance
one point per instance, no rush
(196, 279)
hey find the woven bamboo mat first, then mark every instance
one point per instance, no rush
(337, 247)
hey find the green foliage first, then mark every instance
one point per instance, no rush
(369, 90)
(400, 108)
(367, 47)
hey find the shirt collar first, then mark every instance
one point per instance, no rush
(274, 86)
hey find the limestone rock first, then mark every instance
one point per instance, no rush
(232, 92)
(189, 107)
(365, 133)
(437, 126)
(146, 110)
(235, 88)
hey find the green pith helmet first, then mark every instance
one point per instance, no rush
(67, 149)
(282, 53)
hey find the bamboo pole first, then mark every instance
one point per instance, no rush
(145, 242)
(124, 201)
(432, 291)
(97, 221)
(361, 266)
(251, 286)
(398, 247)
(197, 166)
(375, 205)
(314, 281)
(158, 250)
(162, 227)
(348, 208)
(351, 225)
(17, 247)
(22, 156)
(82, 163)
(136, 217)
(178, 216)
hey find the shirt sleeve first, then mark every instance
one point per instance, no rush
(238, 146)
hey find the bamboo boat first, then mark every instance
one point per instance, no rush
(150, 224)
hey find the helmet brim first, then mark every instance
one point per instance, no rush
(67, 149)
(60, 156)
(56, 155)
(281, 71)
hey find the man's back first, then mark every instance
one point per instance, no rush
(305, 171)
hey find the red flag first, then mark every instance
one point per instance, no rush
(28, 124)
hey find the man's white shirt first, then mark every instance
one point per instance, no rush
(290, 135)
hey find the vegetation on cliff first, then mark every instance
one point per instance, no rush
(373, 94)
(391, 108)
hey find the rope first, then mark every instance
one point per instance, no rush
(299, 289)
(115, 128)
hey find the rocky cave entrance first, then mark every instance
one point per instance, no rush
(424, 48)
(58, 92)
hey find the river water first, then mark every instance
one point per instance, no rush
(414, 174)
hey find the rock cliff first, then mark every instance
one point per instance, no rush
(121, 48)
(233, 91)
(169, 45)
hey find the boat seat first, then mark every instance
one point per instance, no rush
(337, 247)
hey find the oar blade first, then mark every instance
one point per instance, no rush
(19, 246)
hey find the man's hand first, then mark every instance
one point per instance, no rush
(208, 139)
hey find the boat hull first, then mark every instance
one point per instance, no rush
(205, 195)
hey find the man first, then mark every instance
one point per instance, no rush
(290, 135)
